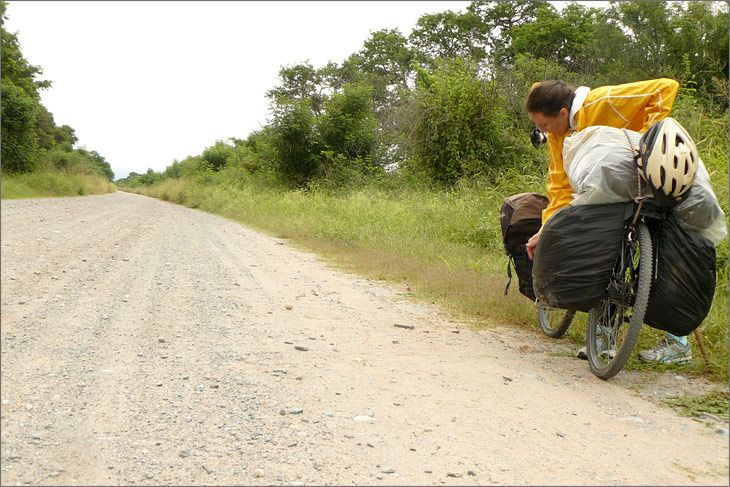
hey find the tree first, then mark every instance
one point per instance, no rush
(217, 155)
(99, 163)
(20, 103)
(498, 18)
(449, 35)
(46, 128)
(300, 82)
(14, 65)
(65, 137)
(387, 54)
(647, 24)
(19, 135)
(551, 35)
(698, 47)
(348, 124)
(457, 123)
(295, 140)
(30, 137)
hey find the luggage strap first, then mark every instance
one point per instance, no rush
(509, 274)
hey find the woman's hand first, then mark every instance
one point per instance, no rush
(531, 244)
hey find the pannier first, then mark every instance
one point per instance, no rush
(681, 294)
(521, 218)
(576, 254)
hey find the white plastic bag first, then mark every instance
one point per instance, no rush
(599, 163)
(700, 211)
(600, 166)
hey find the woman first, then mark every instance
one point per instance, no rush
(558, 110)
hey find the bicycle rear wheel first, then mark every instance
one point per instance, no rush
(614, 325)
(554, 322)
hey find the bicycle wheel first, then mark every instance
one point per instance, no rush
(613, 325)
(554, 322)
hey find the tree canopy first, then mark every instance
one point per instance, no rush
(31, 140)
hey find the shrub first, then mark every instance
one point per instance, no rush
(217, 155)
(348, 124)
(19, 135)
(457, 123)
(295, 141)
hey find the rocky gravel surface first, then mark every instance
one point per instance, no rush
(144, 343)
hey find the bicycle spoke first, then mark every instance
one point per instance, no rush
(614, 324)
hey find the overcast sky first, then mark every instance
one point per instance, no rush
(144, 83)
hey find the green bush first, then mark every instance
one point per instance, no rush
(296, 141)
(217, 155)
(19, 135)
(457, 124)
(348, 124)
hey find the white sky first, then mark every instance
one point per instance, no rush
(144, 83)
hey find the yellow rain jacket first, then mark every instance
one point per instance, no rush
(634, 106)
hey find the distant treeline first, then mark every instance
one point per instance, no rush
(31, 140)
(447, 102)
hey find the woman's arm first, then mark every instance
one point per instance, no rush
(634, 106)
(558, 188)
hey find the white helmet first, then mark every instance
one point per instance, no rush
(668, 160)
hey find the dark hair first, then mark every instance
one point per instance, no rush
(549, 97)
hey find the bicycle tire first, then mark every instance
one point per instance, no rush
(547, 319)
(638, 310)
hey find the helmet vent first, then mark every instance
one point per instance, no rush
(669, 158)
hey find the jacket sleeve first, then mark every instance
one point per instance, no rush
(558, 188)
(653, 99)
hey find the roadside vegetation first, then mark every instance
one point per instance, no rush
(53, 183)
(395, 161)
(714, 403)
(40, 158)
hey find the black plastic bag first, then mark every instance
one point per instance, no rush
(681, 295)
(576, 254)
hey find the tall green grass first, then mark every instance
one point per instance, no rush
(53, 183)
(443, 245)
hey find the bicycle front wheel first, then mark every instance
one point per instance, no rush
(614, 325)
(554, 322)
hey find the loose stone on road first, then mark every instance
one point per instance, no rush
(144, 342)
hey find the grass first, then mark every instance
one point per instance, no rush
(444, 245)
(50, 184)
(714, 403)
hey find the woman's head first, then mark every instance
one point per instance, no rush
(548, 106)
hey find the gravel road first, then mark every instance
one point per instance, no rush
(148, 343)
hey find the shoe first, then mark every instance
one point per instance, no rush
(667, 352)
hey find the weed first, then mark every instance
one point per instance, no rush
(53, 183)
(714, 403)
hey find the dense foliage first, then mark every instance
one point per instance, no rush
(31, 140)
(446, 102)
(406, 148)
